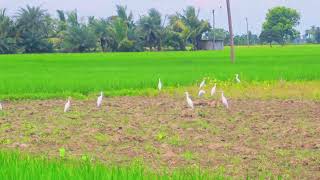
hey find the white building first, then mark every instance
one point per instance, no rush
(209, 45)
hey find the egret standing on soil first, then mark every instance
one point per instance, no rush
(160, 85)
(67, 105)
(202, 84)
(224, 100)
(237, 78)
(201, 93)
(1, 107)
(99, 100)
(213, 90)
(189, 101)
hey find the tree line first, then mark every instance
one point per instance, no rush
(34, 30)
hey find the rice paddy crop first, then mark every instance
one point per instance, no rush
(59, 75)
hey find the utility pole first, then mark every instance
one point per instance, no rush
(231, 32)
(248, 37)
(213, 30)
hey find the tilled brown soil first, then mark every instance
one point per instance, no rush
(254, 137)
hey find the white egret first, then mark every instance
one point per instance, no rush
(99, 100)
(202, 84)
(201, 93)
(213, 90)
(67, 105)
(224, 100)
(1, 108)
(160, 85)
(189, 101)
(237, 78)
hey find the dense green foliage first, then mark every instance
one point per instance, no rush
(22, 167)
(59, 75)
(243, 39)
(34, 30)
(279, 25)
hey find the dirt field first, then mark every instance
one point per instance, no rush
(254, 137)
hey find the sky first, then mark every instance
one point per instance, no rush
(254, 10)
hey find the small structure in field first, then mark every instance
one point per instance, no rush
(209, 45)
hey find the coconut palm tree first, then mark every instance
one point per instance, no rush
(196, 27)
(100, 28)
(78, 37)
(177, 33)
(150, 28)
(187, 28)
(33, 28)
(122, 32)
(7, 34)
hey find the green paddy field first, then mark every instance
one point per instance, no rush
(59, 75)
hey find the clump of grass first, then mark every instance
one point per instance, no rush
(62, 153)
(5, 141)
(102, 138)
(161, 136)
(176, 140)
(188, 155)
